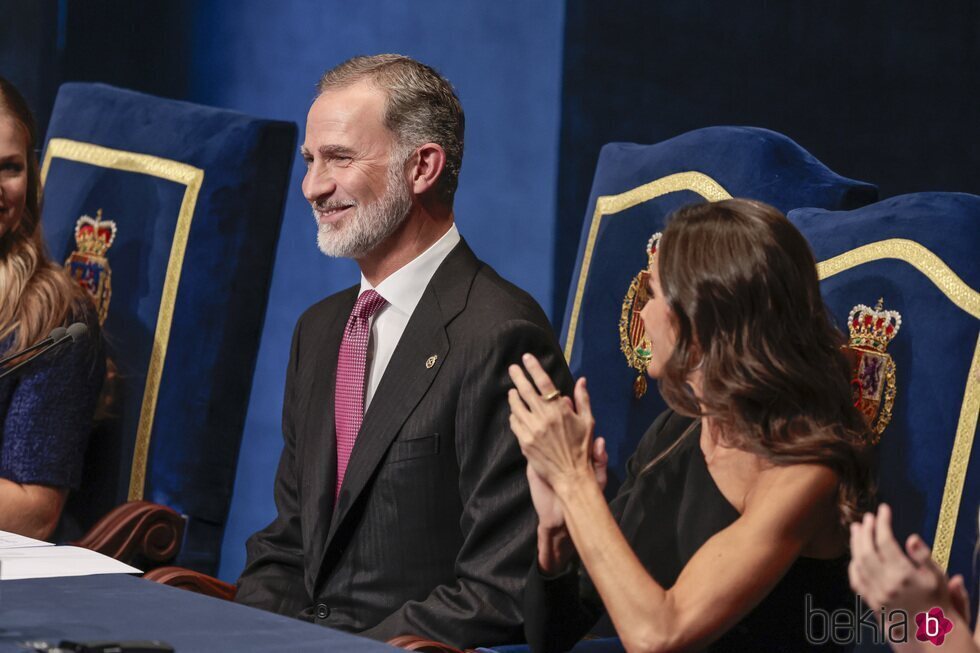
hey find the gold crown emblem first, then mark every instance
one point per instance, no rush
(94, 236)
(873, 327)
(652, 246)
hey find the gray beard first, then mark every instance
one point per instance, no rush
(371, 224)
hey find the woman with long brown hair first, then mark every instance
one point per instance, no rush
(731, 526)
(45, 411)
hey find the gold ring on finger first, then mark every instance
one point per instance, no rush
(551, 396)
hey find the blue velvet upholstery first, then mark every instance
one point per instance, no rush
(919, 253)
(635, 188)
(197, 195)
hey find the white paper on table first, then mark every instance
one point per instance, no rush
(53, 561)
(15, 541)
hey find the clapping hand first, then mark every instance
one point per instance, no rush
(554, 433)
(884, 575)
(546, 504)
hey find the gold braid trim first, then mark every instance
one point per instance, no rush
(959, 461)
(919, 257)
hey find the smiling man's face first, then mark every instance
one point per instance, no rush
(355, 178)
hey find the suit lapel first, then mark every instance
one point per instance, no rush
(407, 379)
(320, 459)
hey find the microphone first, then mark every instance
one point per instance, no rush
(58, 336)
(76, 331)
(57, 333)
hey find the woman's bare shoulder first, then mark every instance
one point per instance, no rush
(797, 496)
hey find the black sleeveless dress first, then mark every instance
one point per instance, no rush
(666, 514)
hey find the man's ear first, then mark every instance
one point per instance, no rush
(426, 167)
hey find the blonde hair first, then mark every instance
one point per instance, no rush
(36, 294)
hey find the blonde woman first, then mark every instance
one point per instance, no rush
(46, 410)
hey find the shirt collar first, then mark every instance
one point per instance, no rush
(403, 288)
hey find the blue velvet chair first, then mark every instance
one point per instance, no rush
(191, 198)
(919, 253)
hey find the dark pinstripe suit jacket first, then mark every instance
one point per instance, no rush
(433, 531)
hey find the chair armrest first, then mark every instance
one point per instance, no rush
(193, 581)
(422, 645)
(137, 531)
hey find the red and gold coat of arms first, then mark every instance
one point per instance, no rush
(632, 337)
(88, 265)
(873, 381)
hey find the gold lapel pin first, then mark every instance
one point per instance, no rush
(431, 361)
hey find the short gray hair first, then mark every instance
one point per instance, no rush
(421, 106)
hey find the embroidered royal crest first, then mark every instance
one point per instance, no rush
(88, 264)
(632, 337)
(873, 381)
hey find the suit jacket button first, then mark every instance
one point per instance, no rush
(322, 611)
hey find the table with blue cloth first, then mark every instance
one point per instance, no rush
(120, 607)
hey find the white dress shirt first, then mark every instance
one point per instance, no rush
(402, 290)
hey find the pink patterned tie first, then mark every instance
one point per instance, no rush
(351, 364)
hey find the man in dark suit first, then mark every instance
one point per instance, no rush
(403, 506)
